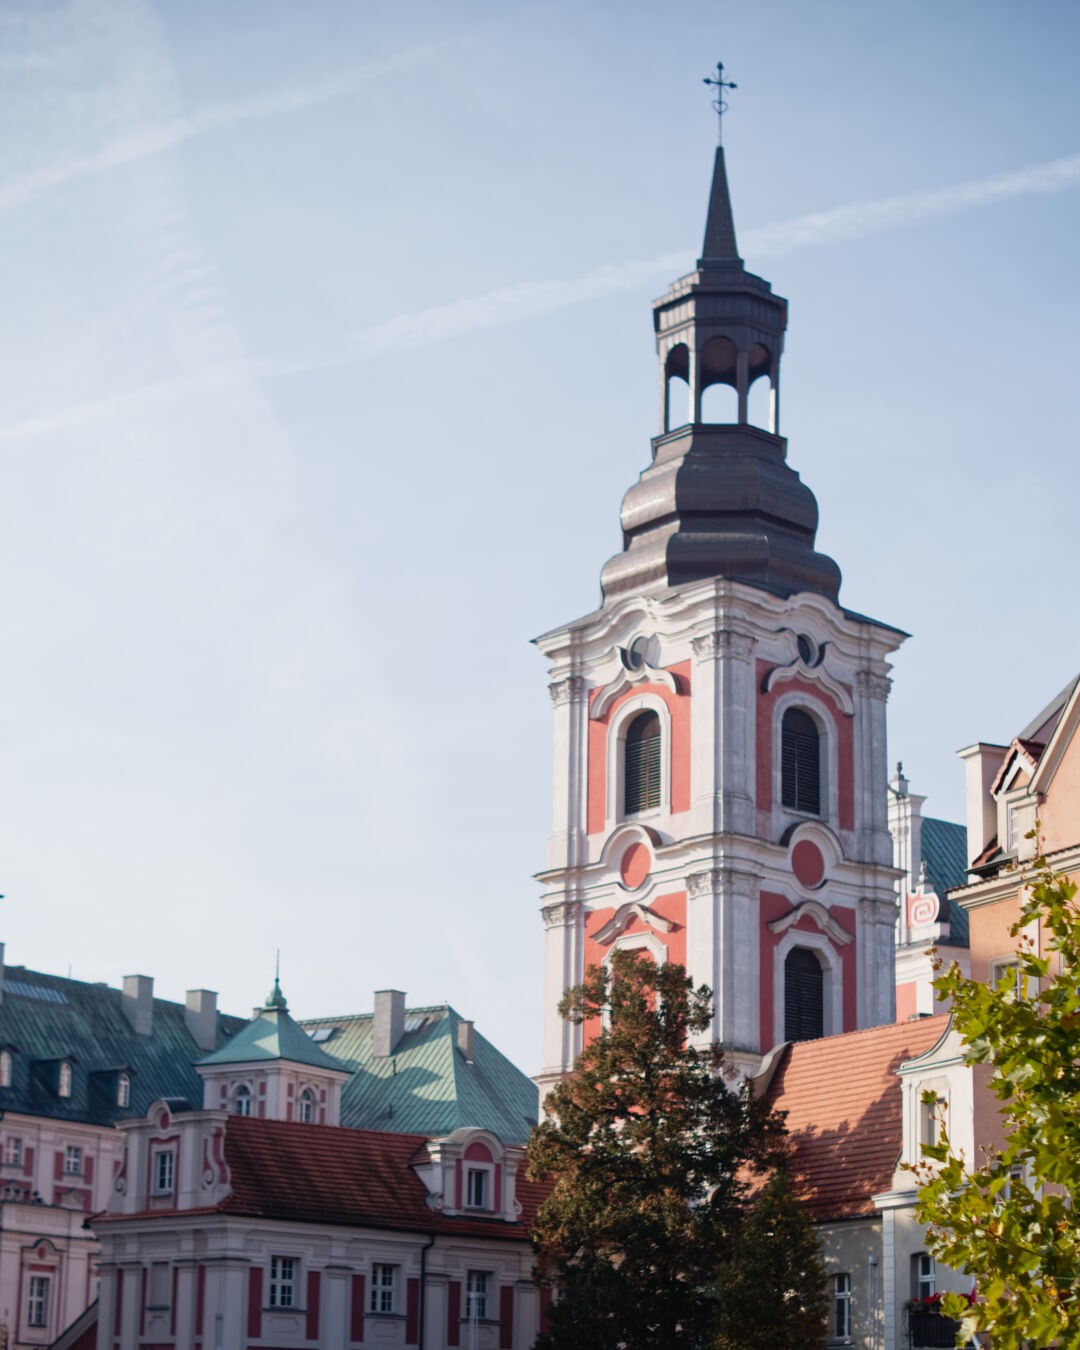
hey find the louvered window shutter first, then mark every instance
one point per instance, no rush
(800, 763)
(642, 764)
(804, 996)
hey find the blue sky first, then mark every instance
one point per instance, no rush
(327, 358)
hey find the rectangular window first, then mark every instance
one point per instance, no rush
(73, 1161)
(37, 1301)
(842, 1307)
(283, 1282)
(1016, 1178)
(1006, 972)
(923, 1270)
(164, 1164)
(13, 1152)
(476, 1188)
(383, 1288)
(476, 1295)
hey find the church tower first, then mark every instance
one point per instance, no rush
(720, 762)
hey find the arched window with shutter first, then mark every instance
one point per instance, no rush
(804, 996)
(800, 762)
(642, 764)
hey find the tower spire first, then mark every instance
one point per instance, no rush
(719, 245)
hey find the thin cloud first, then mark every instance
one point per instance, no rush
(857, 219)
(155, 139)
(527, 300)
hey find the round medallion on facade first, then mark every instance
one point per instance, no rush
(808, 864)
(634, 866)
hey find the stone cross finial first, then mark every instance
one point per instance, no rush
(718, 83)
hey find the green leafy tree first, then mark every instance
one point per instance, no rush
(654, 1155)
(772, 1292)
(1009, 1220)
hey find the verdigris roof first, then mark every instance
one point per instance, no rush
(944, 850)
(427, 1086)
(272, 1034)
(45, 1019)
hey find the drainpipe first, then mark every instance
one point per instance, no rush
(423, 1289)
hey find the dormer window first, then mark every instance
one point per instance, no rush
(123, 1090)
(5, 1068)
(164, 1170)
(306, 1107)
(242, 1100)
(476, 1188)
(63, 1084)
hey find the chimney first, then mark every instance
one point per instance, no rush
(388, 1022)
(200, 1017)
(465, 1040)
(981, 764)
(137, 1002)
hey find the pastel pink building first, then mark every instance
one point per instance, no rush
(719, 744)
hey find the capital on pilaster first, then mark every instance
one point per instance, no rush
(716, 879)
(562, 691)
(723, 642)
(561, 914)
(873, 685)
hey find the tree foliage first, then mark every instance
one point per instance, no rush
(655, 1156)
(1007, 1218)
(772, 1292)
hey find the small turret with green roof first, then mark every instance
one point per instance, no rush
(272, 1068)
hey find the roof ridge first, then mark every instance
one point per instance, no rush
(870, 1031)
(354, 1017)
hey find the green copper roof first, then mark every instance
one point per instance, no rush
(272, 1034)
(427, 1086)
(944, 850)
(46, 1018)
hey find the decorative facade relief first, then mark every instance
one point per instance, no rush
(723, 642)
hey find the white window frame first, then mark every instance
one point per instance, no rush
(615, 805)
(477, 1293)
(13, 1151)
(828, 756)
(1007, 968)
(832, 984)
(243, 1093)
(164, 1171)
(123, 1090)
(284, 1281)
(384, 1286)
(841, 1317)
(73, 1160)
(38, 1297)
(6, 1064)
(924, 1275)
(307, 1097)
(63, 1081)
(484, 1176)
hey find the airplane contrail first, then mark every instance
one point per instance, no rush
(530, 299)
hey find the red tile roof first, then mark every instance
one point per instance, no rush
(842, 1098)
(360, 1178)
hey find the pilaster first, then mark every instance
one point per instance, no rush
(722, 757)
(871, 748)
(186, 1330)
(130, 1304)
(569, 706)
(723, 951)
(563, 940)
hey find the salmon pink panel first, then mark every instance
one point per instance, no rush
(679, 707)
